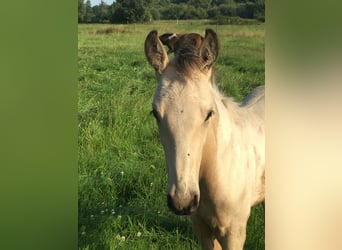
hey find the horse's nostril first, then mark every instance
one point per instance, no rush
(184, 208)
(194, 203)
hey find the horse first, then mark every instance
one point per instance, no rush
(214, 147)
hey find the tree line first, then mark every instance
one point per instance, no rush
(139, 11)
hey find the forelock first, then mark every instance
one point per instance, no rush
(187, 54)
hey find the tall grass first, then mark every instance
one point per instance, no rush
(122, 175)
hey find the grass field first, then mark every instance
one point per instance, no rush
(122, 175)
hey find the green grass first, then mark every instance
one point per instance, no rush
(122, 175)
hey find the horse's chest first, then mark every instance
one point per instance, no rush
(216, 222)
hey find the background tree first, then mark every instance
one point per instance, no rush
(174, 11)
(101, 13)
(138, 11)
(81, 11)
(155, 14)
(259, 10)
(130, 11)
(89, 14)
(228, 10)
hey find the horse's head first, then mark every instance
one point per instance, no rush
(184, 108)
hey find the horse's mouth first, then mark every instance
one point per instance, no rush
(183, 210)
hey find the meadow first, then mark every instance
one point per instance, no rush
(122, 174)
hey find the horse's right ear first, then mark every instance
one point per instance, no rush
(155, 52)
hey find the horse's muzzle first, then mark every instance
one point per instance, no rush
(182, 207)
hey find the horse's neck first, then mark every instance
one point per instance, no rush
(227, 130)
(230, 122)
(217, 151)
(234, 143)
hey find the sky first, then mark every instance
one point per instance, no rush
(97, 2)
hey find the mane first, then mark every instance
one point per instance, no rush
(234, 109)
(187, 60)
(187, 54)
(228, 101)
(251, 107)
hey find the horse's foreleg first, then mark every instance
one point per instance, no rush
(204, 234)
(237, 238)
(234, 238)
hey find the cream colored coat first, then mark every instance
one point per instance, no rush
(214, 147)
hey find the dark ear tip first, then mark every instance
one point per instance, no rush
(210, 32)
(153, 33)
(152, 36)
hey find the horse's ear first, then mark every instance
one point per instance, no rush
(155, 52)
(210, 48)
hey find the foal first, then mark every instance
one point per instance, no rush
(214, 147)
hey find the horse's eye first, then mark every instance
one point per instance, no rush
(210, 114)
(155, 114)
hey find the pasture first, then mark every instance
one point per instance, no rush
(122, 174)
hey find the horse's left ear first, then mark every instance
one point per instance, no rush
(155, 52)
(210, 48)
